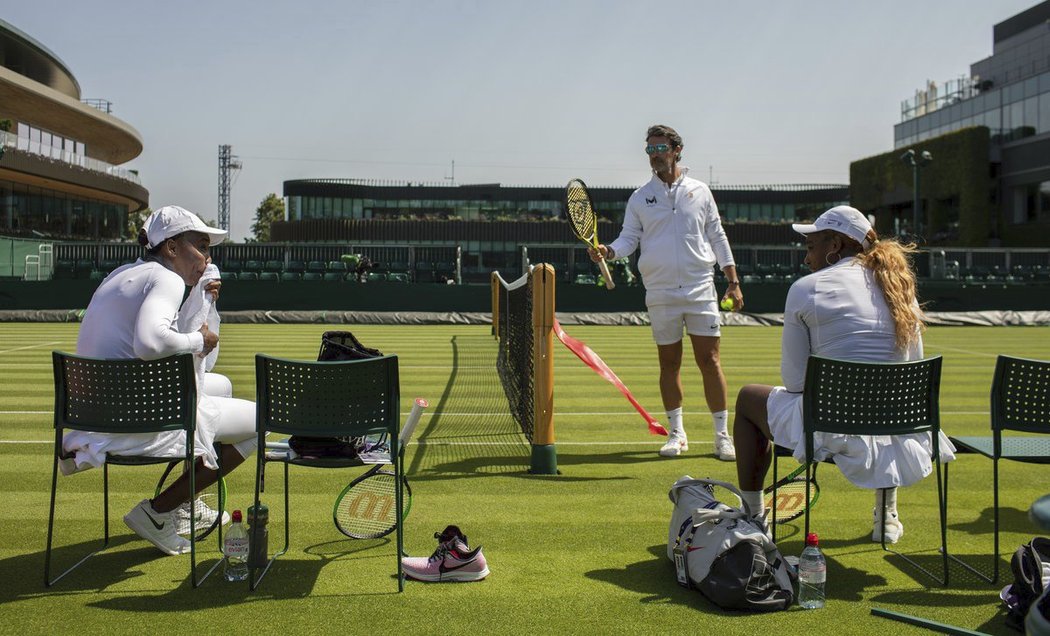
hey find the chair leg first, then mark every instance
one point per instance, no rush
(942, 515)
(48, 581)
(995, 524)
(253, 582)
(773, 513)
(193, 529)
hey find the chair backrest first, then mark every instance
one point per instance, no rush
(356, 397)
(873, 398)
(124, 396)
(1021, 395)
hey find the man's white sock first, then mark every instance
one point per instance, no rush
(755, 500)
(674, 419)
(721, 420)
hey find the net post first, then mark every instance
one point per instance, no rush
(544, 456)
(494, 290)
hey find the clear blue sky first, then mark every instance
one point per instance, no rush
(520, 93)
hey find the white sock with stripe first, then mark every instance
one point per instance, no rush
(721, 420)
(674, 419)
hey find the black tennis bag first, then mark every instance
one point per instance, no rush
(723, 552)
(335, 346)
(1031, 568)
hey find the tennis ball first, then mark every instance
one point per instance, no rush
(726, 304)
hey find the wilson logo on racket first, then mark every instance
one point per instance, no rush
(369, 505)
(788, 501)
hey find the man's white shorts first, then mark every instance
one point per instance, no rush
(699, 317)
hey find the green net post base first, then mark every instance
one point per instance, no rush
(544, 460)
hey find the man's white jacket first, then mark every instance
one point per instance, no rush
(679, 232)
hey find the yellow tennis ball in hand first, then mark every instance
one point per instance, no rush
(726, 304)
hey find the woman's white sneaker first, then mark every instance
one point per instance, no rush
(156, 527)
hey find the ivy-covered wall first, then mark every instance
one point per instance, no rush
(956, 189)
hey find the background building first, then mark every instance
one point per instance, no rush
(59, 174)
(989, 135)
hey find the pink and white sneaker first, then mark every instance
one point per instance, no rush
(452, 561)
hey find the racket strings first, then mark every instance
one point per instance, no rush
(580, 212)
(369, 507)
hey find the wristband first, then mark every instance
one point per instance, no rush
(734, 282)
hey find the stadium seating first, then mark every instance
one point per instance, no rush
(269, 276)
(313, 399)
(290, 277)
(231, 265)
(274, 266)
(337, 266)
(315, 267)
(313, 276)
(334, 276)
(252, 266)
(298, 267)
(248, 276)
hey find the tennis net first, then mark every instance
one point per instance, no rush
(522, 322)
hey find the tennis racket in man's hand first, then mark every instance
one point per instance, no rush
(584, 222)
(791, 495)
(366, 508)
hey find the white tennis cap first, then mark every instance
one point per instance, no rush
(842, 219)
(171, 220)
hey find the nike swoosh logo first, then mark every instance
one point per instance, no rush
(158, 526)
(443, 568)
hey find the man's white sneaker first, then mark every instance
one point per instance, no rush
(676, 445)
(156, 527)
(205, 516)
(724, 448)
(891, 526)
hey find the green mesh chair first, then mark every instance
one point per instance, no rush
(870, 398)
(1020, 401)
(122, 396)
(326, 399)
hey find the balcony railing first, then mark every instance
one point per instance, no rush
(10, 140)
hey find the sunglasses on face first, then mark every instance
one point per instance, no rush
(655, 148)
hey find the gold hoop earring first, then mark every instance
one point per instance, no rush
(827, 258)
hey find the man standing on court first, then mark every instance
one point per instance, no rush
(674, 221)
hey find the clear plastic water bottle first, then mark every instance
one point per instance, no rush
(812, 572)
(235, 549)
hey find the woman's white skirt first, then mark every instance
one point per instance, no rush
(868, 461)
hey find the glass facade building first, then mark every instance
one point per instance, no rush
(60, 175)
(1009, 94)
(314, 199)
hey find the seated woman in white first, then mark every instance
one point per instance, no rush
(133, 314)
(859, 304)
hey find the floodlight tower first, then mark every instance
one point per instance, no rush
(228, 163)
(917, 161)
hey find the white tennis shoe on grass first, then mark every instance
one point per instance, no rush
(157, 527)
(724, 448)
(676, 444)
(891, 526)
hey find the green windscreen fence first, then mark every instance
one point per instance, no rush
(13, 253)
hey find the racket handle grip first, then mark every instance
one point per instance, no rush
(411, 421)
(602, 265)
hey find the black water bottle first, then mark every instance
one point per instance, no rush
(259, 537)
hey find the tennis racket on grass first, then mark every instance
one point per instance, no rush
(791, 495)
(366, 508)
(208, 498)
(584, 222)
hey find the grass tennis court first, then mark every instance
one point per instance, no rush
(582, 552)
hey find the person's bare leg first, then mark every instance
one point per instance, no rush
(178, 492)
(670, 357)
(751, 436)
(706, 354)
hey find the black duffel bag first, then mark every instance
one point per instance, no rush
(335, 346)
